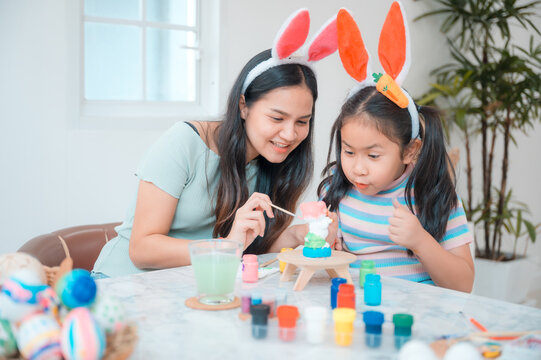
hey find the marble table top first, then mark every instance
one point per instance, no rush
(169, 329)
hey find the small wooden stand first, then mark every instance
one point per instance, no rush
(336, 265)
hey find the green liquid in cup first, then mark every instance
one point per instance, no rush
(215, 275)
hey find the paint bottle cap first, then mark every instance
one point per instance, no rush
(316, 313)
(343, 315)
(249, 258)
(287, 316)
(338, 280)
(403, 320)
(372, 278)
(368, 264)
(346, 289)
(373, 318)
(260, 314)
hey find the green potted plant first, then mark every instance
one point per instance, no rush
(490, 91)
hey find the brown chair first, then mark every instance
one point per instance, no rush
(84, 244)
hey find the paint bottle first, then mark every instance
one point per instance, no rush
(287, 322)
(269, 299)
(281, 297)
(283, 264)
(315, 319)
(367, 267)
(245, 301)
(260, 318)
(402, 329)
(335, 283)
(373, 320)
(256, 298)
(346, 296)
(372, 290)
(343, 325)
(250, 266)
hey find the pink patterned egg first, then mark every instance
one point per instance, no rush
(81, 337)
(38, 338)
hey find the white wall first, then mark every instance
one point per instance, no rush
(54, 174)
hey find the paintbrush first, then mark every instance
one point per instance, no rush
(283, 210)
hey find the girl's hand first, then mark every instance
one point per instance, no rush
(404, 227)
(249, 220)
(332, 229)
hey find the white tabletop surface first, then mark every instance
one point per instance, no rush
(169, 330)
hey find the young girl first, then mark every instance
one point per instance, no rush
(196, 181)
(391, 183)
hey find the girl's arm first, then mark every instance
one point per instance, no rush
(291, 237)
(452, 269)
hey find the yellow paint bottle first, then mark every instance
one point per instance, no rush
(283, 264)
(343, 325)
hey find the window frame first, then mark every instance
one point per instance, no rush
(96, 114)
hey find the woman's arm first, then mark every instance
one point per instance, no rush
(150, 247)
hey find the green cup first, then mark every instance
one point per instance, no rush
(215, 264)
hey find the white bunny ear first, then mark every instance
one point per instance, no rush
(325, 42)
(292, 34)
(394, 44)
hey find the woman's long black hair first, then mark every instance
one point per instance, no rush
(432, 178)
(283, 182)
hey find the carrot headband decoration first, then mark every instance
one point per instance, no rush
(291, 36)
(394, 56)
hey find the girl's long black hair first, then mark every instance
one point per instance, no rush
(432, 178)
(284, 182)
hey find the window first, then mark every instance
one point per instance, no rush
(143, 60)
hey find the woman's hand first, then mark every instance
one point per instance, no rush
(405, 228)
(249, 220)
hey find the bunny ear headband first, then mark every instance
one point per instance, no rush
(394, 56)
(290, 38)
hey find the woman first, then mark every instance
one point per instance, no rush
(196, 181)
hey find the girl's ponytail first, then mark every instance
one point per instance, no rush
(432, 178)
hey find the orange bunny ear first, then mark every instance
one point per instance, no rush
(351, 47)
(325, 42)
(292, 34)
(394, 45)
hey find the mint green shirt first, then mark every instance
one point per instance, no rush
(181, 164)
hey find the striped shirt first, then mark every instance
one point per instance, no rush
(363, 227)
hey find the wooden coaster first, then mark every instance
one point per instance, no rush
(194, 303)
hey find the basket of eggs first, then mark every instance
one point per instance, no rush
(58, 313)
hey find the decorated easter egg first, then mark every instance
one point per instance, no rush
(415, 350)
(8, 346)
(49, 302)
(38, 338)
(10, 263)
(109, 312)
(462, 351)
(76, 288)
(18, 297)
(81, 337)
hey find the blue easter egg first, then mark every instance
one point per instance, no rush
(76, 288)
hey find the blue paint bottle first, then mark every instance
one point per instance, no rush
(373, 320)
(334, 289)
(372, 290)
